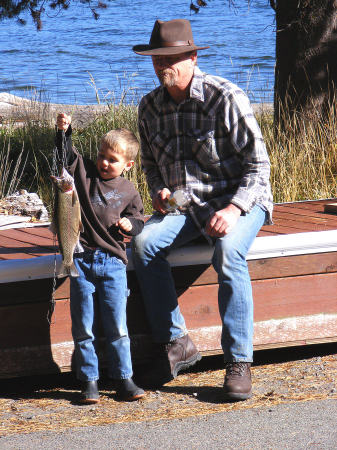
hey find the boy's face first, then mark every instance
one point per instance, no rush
(111, 164)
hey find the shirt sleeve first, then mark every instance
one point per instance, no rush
(248, 142)
(149, 165)
(135, 213)
(65, 153)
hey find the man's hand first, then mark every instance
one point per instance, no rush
(63, 121)
(223, 221)
(124, 224)
(158, 201)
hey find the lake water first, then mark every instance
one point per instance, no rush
(75, 57)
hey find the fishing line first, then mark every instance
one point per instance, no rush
(58, 162)
(59, 157)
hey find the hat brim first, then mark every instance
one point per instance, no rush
(148, 51)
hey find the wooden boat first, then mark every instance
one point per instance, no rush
(293, 267)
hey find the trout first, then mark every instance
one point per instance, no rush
(67, 222)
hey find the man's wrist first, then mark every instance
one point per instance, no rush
(234, 209)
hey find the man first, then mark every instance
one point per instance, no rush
(198, 133)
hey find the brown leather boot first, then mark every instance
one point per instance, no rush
(170, 359)
(182, 354)
(238, 382)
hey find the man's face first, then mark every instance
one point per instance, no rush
(174, 70)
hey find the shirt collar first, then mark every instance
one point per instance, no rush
(197, 88)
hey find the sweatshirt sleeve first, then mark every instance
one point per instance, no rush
(137, 226)
(65, 152)
(135, 213)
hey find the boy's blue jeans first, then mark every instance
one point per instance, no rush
(104, 275)
(150, 249)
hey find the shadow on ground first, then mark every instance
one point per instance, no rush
(26, 387)
(49, 402)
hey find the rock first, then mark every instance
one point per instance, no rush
(23, 203)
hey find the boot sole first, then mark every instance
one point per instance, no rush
(183, 365)
(235, 397)
(89, 401)
(133, 398)
(159, 382)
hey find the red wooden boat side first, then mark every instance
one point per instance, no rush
(288, 218)
(294, 298)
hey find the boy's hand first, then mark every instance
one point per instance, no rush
(124, 224)
(63, 121)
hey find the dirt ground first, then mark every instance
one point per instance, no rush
(279, 376)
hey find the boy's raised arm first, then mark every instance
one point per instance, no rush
(63, 140)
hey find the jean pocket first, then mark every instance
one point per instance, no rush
(118, 261)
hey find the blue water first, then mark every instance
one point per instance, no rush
(59, 63)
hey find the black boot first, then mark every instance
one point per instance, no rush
(127, 390)
(89, 393)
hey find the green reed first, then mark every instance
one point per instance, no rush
(303, 163)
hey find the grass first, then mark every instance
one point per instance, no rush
(303, 159)
(10, 171)
(303, 163)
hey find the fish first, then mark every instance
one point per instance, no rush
(67, 224)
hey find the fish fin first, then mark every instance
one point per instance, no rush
(73, 271)
(66, 271)
(78, 248)
(75, 197)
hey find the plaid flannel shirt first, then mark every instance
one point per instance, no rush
(210, 145)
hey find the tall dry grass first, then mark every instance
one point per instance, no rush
(304, 159)
(303, 163)
(11, 170)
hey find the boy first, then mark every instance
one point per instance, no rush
(110, 206)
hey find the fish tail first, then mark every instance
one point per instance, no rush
(73, 271)
(66, 271)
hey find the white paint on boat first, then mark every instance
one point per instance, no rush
(194, 254)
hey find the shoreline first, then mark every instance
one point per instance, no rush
(19, 109)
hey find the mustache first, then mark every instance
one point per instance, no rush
(165, 71)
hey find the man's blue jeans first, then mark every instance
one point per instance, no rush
(150, 249)
(105, 276)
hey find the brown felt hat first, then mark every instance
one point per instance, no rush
(169, 38)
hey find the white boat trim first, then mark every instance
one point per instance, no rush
(262, 248)
(17, 222)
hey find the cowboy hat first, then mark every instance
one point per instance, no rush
(169, 38)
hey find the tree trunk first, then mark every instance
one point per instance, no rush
(306, 59)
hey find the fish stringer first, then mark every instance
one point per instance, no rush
(58, 162)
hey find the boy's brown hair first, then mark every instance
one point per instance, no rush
(121, 141)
